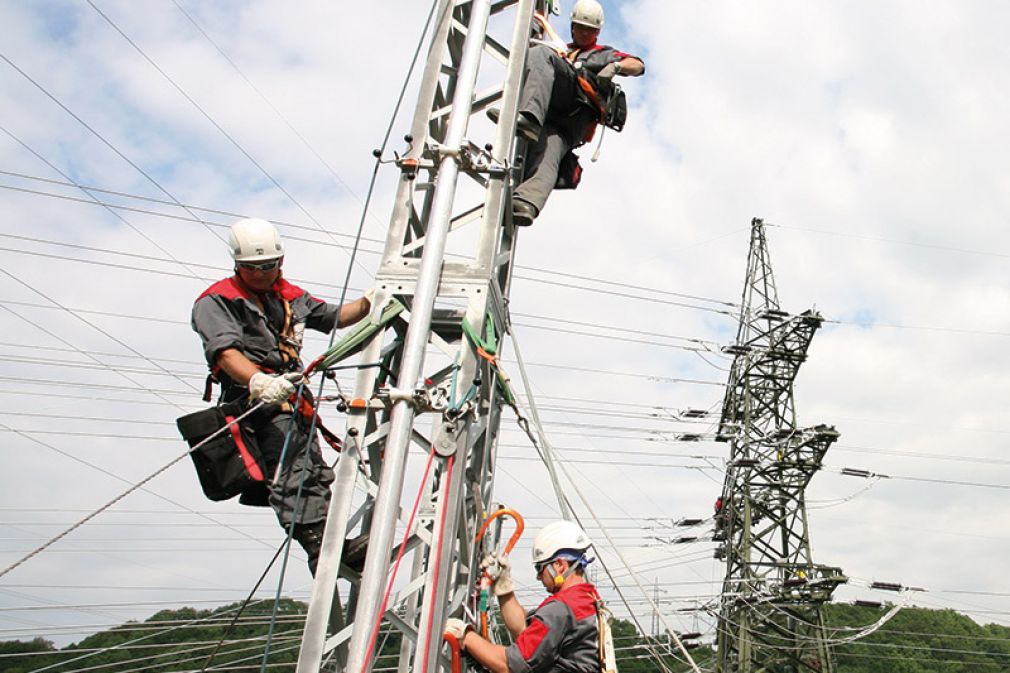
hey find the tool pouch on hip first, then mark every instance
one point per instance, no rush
(228, 464)
(615, 109)
(569, 172)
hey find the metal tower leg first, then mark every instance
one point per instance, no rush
(769, 620)
(446, 297)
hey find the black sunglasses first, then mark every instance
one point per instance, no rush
(260, 266)
(539, 567)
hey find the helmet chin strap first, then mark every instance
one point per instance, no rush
(559, 580)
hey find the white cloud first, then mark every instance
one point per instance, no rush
(873, 133)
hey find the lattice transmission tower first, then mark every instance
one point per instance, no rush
(429, 375)
(770, 614)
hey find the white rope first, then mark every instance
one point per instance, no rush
(122, 495)
(547, 450)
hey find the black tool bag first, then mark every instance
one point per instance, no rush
(230, 463)
(615, 109)
(569, 172)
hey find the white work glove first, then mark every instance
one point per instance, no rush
(606, 75)
(456, 628)
(272, 389)
(499, 569)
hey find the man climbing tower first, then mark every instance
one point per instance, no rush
(251, 324)
(562, 633)
(561, 103)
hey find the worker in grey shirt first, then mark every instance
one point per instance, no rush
(561, 634)
(251, 325)
(557, 112)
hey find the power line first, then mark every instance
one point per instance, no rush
(626, 295)
(181, 218)
(111, 211)
(231, 214)
(208, 117)
(104, 140)
(883, 239)
(139, 197)
(697, 344)
(630, 286)
(28, 435)
(950, 482)
(62, 340)
(266, 100)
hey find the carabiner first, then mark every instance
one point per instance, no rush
(485, 580)
(520, 525)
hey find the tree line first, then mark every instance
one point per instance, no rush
(916, 640)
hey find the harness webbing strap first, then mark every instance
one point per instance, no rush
(353, 341)
(487, 348)
(553, 39)
(251, 466)
(559, 45)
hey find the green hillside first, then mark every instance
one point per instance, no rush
(914, 641)
(917, 640)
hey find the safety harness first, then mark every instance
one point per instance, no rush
(611, 110)
(289, 343)
(605, 637)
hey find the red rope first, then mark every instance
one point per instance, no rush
(438, 551)
(396, 564)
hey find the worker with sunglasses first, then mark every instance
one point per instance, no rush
(562, 634)
(251, 324)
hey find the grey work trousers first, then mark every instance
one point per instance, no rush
(550, 95)
(303, 464)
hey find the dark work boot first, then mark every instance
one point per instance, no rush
(355, 549)
(523, 213)
(310, 537)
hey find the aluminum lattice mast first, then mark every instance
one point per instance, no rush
(770, 614)
(429, 385)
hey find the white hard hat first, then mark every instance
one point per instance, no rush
(557, 537)
(588, 13)
(255, 240)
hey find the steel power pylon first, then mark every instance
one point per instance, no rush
(770, 614)
(448, 259)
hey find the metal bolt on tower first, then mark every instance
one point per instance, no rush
(447, 259)
(770, 614)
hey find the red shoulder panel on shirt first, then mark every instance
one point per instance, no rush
(226, 288)
(229, 288)
(530, 638)
(288, 290)
(581, 598)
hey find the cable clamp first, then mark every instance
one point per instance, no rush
(475, 159)
(445, 151)
(421, 399)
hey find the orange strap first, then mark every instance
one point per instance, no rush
(457, 660)
(556, 42)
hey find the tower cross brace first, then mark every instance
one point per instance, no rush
(432, 382)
